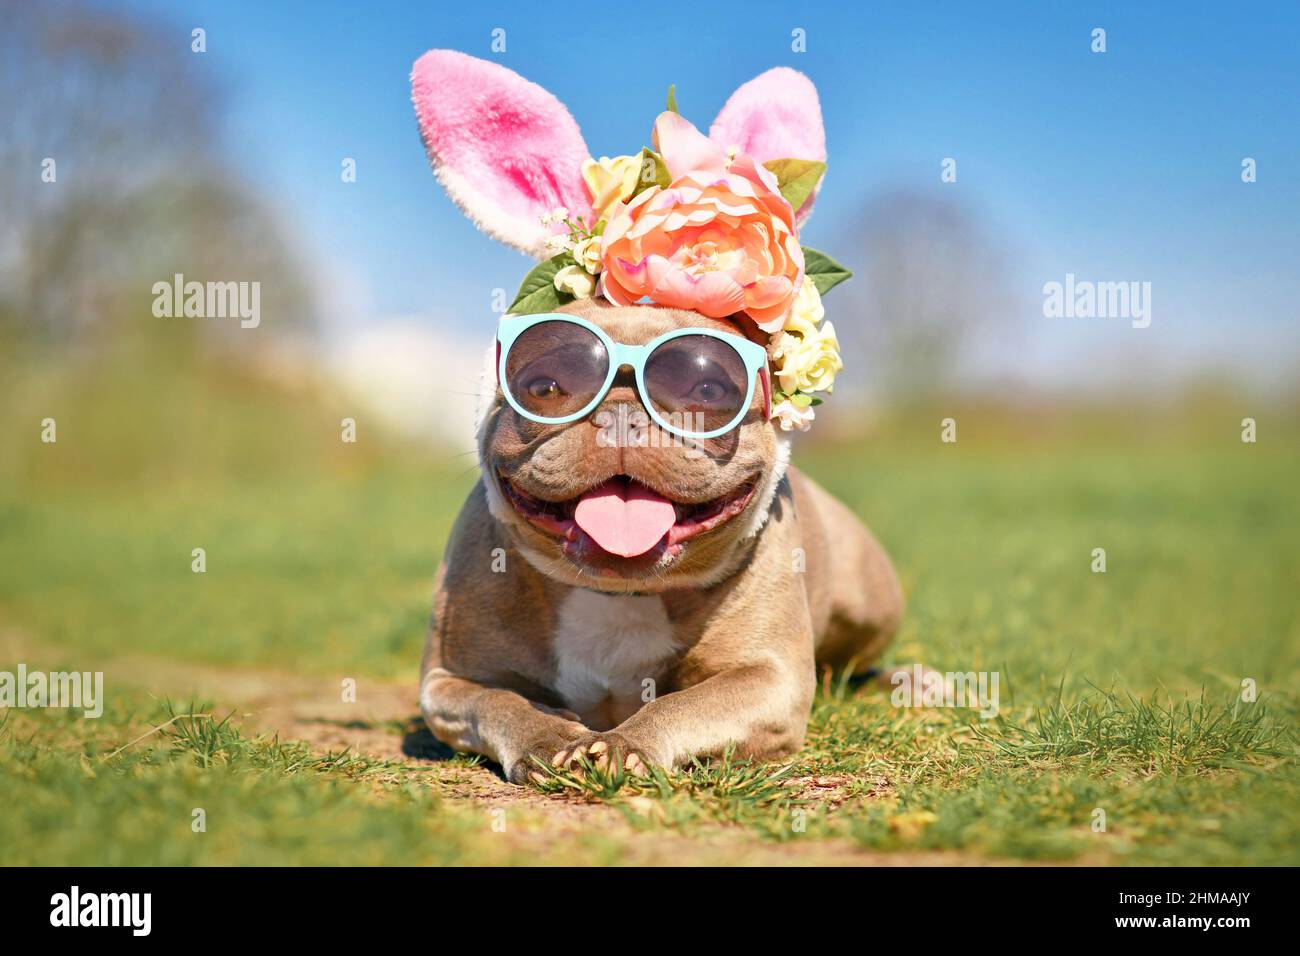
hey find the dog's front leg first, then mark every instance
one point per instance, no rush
(761, 708)
(500, 724)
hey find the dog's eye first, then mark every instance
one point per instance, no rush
(544, 388)
(707, 391)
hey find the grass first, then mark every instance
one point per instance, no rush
(1121, 694)
(263, 803)
(1188, 735)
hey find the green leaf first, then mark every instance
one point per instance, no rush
(672, 98)
(797, 178)
(654, 172)
(800, 400)
(824, 271)
(537, 293)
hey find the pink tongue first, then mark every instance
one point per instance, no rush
(624, 518)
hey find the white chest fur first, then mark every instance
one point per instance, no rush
(607, 646)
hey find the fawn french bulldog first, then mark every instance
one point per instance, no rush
(638, 575)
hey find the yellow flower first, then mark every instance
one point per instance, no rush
(806, 361)
(807, 312)
(587, 252)
(610, 181)
(576, 281)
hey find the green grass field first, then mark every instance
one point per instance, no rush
(1121, 691)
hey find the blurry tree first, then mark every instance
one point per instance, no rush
(141, 190)
(930, 284)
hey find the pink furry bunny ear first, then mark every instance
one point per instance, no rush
(776, 115)
(506, 150)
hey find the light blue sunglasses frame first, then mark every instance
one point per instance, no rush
(753, 356)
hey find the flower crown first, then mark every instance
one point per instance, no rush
(706, 223)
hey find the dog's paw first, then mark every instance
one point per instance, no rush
(533, 759)
(527, 769)
(605, 750)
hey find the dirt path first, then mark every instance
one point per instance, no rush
(384, 722)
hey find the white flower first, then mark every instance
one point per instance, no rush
(556, 244)
(587, 252)
(576, 281)
(559, 214)
(790, 416)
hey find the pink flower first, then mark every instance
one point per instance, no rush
(720, 239)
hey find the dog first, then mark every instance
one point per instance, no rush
(558, 653)
(606, 594)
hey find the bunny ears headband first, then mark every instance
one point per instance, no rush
(708, 223)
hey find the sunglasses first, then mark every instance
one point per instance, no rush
(695, 383)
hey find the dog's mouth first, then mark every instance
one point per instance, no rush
(625, 519)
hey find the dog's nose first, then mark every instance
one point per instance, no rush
(622, 391)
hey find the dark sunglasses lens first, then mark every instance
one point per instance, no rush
(697, 383)
(556, 368)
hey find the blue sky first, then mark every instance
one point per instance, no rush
(1115, 166)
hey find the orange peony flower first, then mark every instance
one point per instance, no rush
(719, 239)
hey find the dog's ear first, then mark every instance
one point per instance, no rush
(776, 115)
(506, 150)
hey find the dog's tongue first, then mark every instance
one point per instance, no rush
(624, 518)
